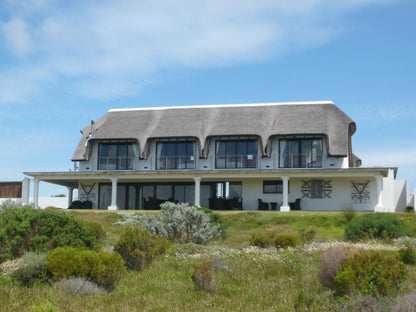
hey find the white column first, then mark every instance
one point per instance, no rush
(197, 191)
(113, 194)
(379, 185)
(25, 191)
(36, 192)
(70, 195)
(285, 205)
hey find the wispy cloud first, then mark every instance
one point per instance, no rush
(111, 48)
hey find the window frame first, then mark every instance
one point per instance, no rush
(298, 156)
(130, 154)
(236, 145)
(189, 152)
(277, 183)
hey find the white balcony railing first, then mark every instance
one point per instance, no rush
(301, 161)
(235, 161)
(175, 162)
(117, 163)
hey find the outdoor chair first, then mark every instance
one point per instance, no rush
(262, 205)
(295, 205)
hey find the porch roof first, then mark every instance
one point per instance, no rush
(71, 178)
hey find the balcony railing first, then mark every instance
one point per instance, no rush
(175, 162)
(301, 161)
(235, 161)
(116, 163)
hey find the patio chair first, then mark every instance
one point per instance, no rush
(262, 205)
(295, 205)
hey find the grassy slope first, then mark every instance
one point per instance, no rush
(253, 280)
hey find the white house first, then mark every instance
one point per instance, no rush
(248, 156)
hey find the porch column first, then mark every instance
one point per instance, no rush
(197, 191)
(113, 194)
(285, 205)
(70, 195)
(25, 191)
(379, 185)
(36, 192)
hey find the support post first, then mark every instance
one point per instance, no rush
(113, 194)
(197, 191)
(25, 191)
(285, 205)
(36, 192)
(379, 186)
(70, 195)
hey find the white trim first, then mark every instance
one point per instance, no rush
(220, 106)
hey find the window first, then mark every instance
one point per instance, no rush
(300, 153)
(116, 156)
(236, 154)
(273, 187)
(175, 155)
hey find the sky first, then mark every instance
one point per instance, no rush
(65, 63)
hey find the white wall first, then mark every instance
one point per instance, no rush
(58, 202)
(340, 196)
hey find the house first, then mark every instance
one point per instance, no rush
(250, 156)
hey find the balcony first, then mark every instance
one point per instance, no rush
(300, 161)
(116, 163)
(175, 162)
(236, 161)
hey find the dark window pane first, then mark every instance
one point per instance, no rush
(105, 196)
(164, 192)
(180, 193)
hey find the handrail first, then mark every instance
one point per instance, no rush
(236, 161)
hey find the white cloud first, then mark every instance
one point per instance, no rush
(112, 47)
(17, 37)
(391, 156)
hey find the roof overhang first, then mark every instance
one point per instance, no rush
(71, 178)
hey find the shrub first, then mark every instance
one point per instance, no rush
(262, 239)
(138, 247)
(97, 229)
(204, 277)
(79, 286)
(104, 269)
(216, 220)
(376, 225)
(408, 254)
(348, 214)
(331, 261)
(372, 273)
(405, 303)
(285, 240)
(36, 230)
(179, 223)
(265, 239)
(10, 204)
(32, 270)
(409, 209)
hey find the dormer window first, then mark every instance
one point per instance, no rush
(116, 156)
(175, 155)
(300, 153)
(230, 154)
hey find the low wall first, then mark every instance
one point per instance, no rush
(58, 202)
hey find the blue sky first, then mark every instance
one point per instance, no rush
(64, 63)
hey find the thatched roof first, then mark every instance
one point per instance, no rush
(203, 122)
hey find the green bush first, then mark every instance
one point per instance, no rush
(266, 239)
(285, 240)
(97, 229)
(27, 229)
(331, 261)
(216, 220)
(262, 239)
(408, 254)
(376, 225)
(138, 246)
(307, 236)
(204, 277)
(102, 268)
(32, 270)
(372, 273)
